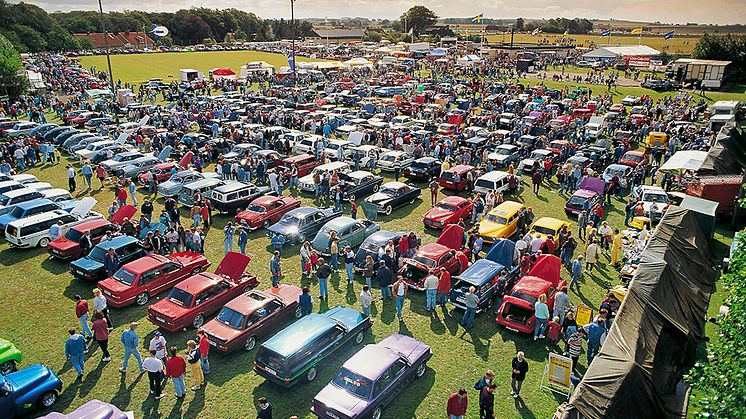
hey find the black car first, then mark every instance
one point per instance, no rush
(393, 195)
(423, 169)
(360, 183)
(235, 196)
(301, 223)
(372, 243)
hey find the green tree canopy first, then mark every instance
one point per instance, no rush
(724, 47)
(418, 18)
(12, 80)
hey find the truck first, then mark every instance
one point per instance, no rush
(719, 188)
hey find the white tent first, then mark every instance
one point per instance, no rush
(470, 59)
(685, 160)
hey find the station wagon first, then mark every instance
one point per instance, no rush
(91, 266)
(234, 196)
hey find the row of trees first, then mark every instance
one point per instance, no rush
(31, 29)
(558, 25)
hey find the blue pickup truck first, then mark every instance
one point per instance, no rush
(35, 386)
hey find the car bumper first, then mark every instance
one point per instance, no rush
(434, 224)
(223, 347)
(164, 324)
(62, 255)
(116, 301)
(284, 383)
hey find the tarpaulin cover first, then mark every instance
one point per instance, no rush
(653, 340)
(502, 252)
(728, 155)
(685, 160)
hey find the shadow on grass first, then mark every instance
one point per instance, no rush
(55, 266)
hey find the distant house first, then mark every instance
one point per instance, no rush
(337, 36)
(439, 30)
(130, 40)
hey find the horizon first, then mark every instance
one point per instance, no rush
(685, 11)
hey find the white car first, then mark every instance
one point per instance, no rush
(630, 100)
(332, 149)
(20, 130)
(653, 198)
(92, 148)
(308, 185)
(393, 159)
(305, 144)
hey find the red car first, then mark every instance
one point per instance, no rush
(304, 162)
(163, 172)
(517, 310)
(251, 316)
(633, 158)
(446, 179)
(201, 295)
(143, 278)
(266, 210)
(450, 210)
(618, 107)
(444, 253)
(84, 117)
(68, 246)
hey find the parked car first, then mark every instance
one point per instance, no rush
(91, 266)
(650, 195)
(449, 210)
(296, 353)
(536, 158)
(444, 253)
(360, 183)
(517, 310)
(423, 169)
(266, 210)
(299, 224)
(137, 281)
(503, 155)
(120, 160)
(391, 160)
(21, 129)
(205, 186)
(496, 181)
(634, 158)
(251, 316)
(393, 195)
(630, 100)
(67, 247)
(200, 295)
(89, 410)
(142, 165)
(590, 190)
(34, 387)
(10, 357)
(303, 162)
(350, 232)
(486, 276)
(372, 243)
(173, 185)
(501, 222)
(234, 196)
(307, 184)
(33, 231)
(371, 378)
(447, 178)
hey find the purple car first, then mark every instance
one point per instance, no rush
(91, 409)
(590, 189)
(372, 378)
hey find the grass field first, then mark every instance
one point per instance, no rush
(37, 296)
(142, 67)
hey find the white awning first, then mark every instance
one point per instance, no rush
(685, 160)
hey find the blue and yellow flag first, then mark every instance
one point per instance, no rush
(478, 18)
(668, 35)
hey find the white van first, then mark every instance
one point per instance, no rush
(57, 194)
(34, 231)
(495, 180)
(595, 126)
(10, 199)
(306, 182)
(725, 107)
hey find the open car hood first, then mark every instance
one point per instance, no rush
(502, 252)
(547, 267)
(126, 211)
(452, 237)
(593, 184)
(233, 265)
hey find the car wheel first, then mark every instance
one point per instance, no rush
(421, 370)
(250, 344)
(298, 313)
(198, 321)
(7, 367)
(267, 223)
(311, 374)
(301, 238)
(195, 271)
(47, 399)
(388, 210)
(412, 201)
(376, 187)
(142, 298)
(359, 338)
(377, 413)
(44, 242)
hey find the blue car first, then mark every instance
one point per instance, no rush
(294, 353)
(35, 386)
(485, 276)
(29, 208)
(91, 267)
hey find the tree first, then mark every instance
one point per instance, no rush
(418, 18)
(12, 83)
(32, 40)
(519, 23)
(59, 39)
(193, 29)
(85, 43)
(724, 47)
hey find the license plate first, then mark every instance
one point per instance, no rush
(160, 319)
(107, 293)
(460, 300)
(271, 371)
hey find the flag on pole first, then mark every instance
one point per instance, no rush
(566, 32)
(637, 31)
(607, 32)
(478, 18)
(668, 35)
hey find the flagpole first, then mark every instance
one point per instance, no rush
(106, 45)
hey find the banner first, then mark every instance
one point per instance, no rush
(638, 61)
(560, 368)
(583, 315)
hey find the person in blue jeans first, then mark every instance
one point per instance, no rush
(75, 349)
(131, 341)
(305, 302)
(275, 269)
(596, 332)
(472, 301)
(349, 263)
(323, 273)
(541, 311)
(228, 233)
(400, 292)
(576, 271)
(431, 290)
(384, 277)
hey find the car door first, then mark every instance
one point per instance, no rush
(274, 213)
(449, 262)
(171, 272)
(150, 281)
(269, 316)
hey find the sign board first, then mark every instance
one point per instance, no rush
(583, 315)
(557, 374)
(638, 61)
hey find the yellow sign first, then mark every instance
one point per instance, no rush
(583, 315)
(560, 368)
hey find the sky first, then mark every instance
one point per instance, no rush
(666, 11)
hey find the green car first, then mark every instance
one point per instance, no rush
(9, 357)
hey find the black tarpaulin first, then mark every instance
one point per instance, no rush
(728, 155)
(653, 339)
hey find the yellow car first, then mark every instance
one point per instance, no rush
(501, 222)
(656, 139)
(546, 226)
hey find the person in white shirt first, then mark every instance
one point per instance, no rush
(536, 244)
(71, 178)
(158, 344)
(55, 231)
(99, 304)
(154, 367)
(366, 299)
(273, 180)
(431, 288)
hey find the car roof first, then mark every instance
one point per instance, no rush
(232, 186)
(359, 174)
(426, 160)
(198, 283)
(394, 185)
(340, 222)
(302, 211)
(249, 301)
(34, 203)
(266, 200)
(508, 206)
(146, 263)
(453, 200)
(292, 339)
(115, 242)
(87, 225)
(494, 175)
(549, 222)
(19, 192)
(371, 361)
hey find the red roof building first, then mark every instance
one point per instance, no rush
(117, 40)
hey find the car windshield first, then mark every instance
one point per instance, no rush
(289, 221)
(446, 207)
(98, 253)
(525, 297)
(17, 212)
(4, 200)
(389, 191)
(576, 201)
(425, 261)
(544, 230)
(255, 208)
(371, 247)
(484, 183)
(418, 166)
(388, 157)
(231, 318)
(502, 151)
(650, 196)
(124, 276)
(352, 383)
(497, 219)
(537, 156)
(332, 146)
(73, 235)
(635, 158)
(180, 297)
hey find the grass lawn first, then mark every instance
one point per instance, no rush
(37, 297)
(680, 44)
(142, 67)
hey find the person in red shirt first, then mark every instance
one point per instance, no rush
(444, 286)
(204, 350)
(175, 369)
(404, 246)
(205, 213)
(547, 247)
(81, 312)
(122, 197)
(101, 175)
(457, 402)
(101, 335)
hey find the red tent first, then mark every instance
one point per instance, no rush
(224, 72)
